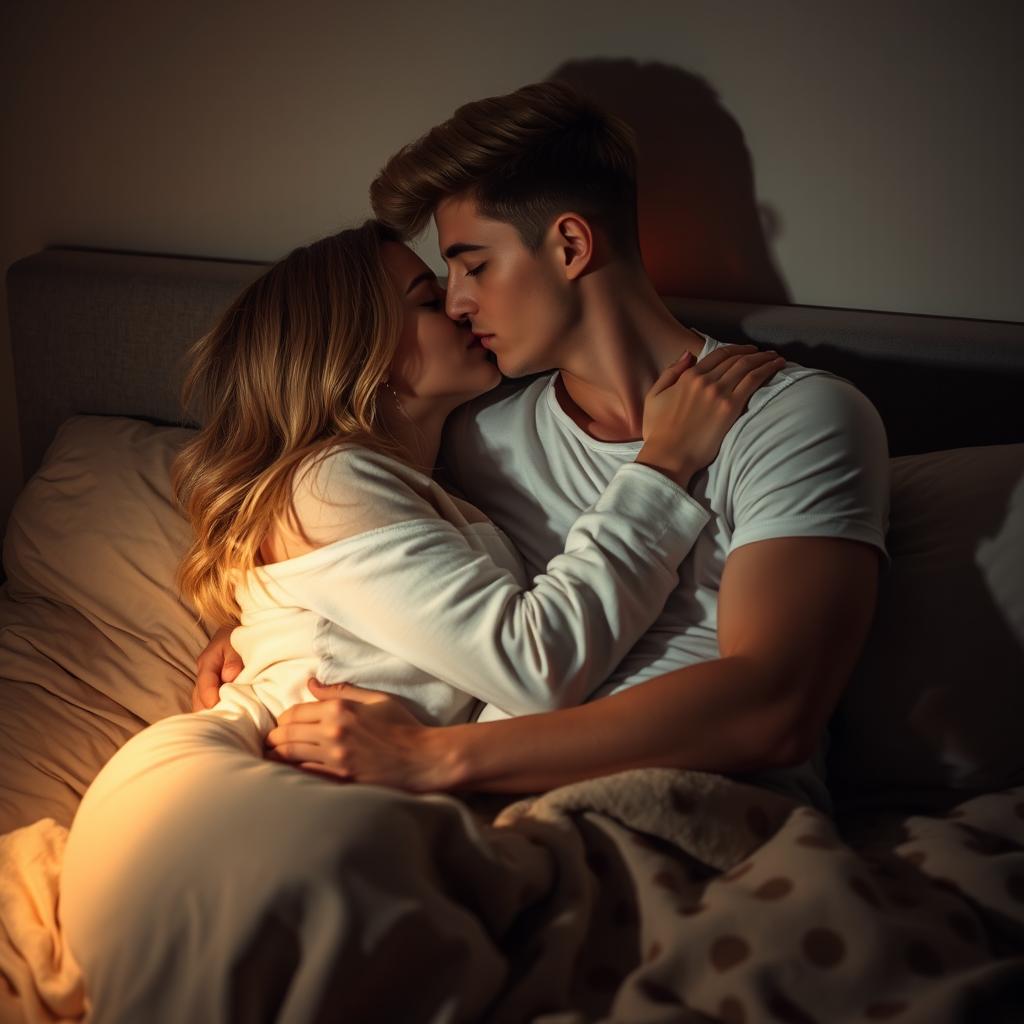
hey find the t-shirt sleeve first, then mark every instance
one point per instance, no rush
(417, 589)
(813, 462)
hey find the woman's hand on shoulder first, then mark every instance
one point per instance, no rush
(692, 406)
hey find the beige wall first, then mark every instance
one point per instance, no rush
(872, 152)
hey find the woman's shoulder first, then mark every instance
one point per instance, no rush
(349, 488)
(352, 488)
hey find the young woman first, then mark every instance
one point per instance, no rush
(320, 526)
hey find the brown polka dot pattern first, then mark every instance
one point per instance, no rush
(774, 889)
(923, 960)
(823, 947)
(730, 1011)
(728, 951)
(884, 1010)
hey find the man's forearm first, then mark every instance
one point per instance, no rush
(720, 716)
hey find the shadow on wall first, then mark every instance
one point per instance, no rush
(701, 230)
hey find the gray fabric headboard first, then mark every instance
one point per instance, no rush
(104, 332)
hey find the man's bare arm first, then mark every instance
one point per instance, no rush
(793, 615)
(218, 663)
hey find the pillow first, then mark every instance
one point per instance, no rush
(937, 700)
(94, 640)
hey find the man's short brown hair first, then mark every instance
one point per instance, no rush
(524, 158)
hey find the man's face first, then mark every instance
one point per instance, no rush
(517, 301)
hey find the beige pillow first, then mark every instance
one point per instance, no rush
(94, 641)
(937, 701)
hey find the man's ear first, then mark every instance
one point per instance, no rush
(574, 242)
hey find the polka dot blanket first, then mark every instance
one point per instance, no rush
(650, 896)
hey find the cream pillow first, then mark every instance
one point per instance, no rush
(94, 641)
(937, 701)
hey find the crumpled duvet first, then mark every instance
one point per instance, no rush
(676, 896)
(39, 979)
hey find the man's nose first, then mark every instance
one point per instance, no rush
(457, 304)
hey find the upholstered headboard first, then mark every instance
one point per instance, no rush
(104, 332)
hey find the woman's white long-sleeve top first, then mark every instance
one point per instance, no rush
(413, 591)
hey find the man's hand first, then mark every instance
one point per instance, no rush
(217, 664)
(356, 735)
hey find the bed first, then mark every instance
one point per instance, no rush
(691, 896)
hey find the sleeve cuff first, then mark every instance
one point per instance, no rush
(669, 512)
(811, 526)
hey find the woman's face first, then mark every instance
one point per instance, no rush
(438, 360)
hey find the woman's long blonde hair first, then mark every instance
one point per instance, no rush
(291, 368)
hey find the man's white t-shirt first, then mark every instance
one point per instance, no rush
(808, 458)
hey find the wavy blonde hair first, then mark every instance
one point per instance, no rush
(291, 369)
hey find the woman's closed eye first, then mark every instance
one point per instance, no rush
(478, 269)
(432, 304)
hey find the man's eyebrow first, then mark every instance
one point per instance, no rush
(427, 275)
(459, 248)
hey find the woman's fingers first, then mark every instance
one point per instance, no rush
(672, 373)
(755, 379)
(713, 364)
(729, 358)
(737, 371)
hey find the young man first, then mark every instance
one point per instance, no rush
(534, 198)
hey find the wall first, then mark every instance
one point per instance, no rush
(865, 155)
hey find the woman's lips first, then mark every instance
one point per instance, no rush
(484, 339)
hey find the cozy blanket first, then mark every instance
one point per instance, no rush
(653, 896)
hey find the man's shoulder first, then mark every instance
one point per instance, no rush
(812, 447)
(806, 404)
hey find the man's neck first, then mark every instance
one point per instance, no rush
(624, 339)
